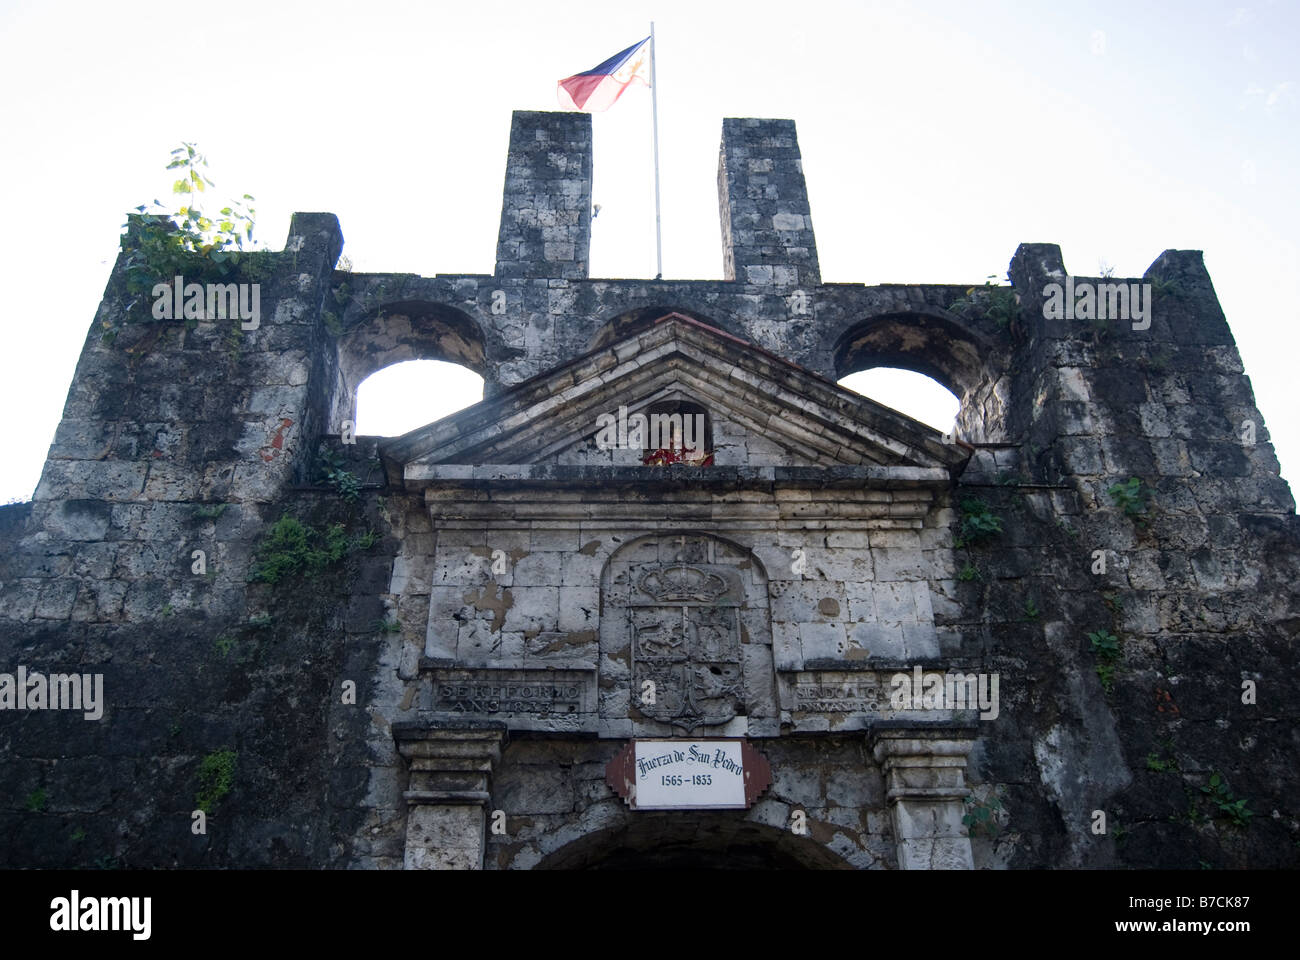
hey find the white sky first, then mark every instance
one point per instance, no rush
(935, 136)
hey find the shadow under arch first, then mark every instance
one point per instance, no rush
(924, 342)
(634, 321)
(692, 839)
(401, 331)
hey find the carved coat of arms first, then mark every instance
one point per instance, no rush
(685, 626)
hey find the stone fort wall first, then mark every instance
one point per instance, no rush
(180, 437)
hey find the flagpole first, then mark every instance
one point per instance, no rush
(654, 112)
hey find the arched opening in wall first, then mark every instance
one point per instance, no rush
(933, 368)
(692, 840)
(677, 431)
(913, 394)
(405, 396)
(398, 332)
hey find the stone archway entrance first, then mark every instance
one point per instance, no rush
(701, 840)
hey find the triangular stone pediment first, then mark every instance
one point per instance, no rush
(764, 412)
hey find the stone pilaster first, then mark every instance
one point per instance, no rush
(925, 783)
(448, 793)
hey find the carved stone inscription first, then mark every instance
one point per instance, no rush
(515, 697)
(853, 700)
(831, 694)
(546, 699)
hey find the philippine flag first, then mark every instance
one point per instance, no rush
(596, 89)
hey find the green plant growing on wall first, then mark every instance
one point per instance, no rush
(993, 302)
(1133, 497)
(1105, 647)
(37, 800)
(1003, 306)
(234, 342)
(187, 242)
(333, 473)
(205, 511)
(342, 297)
(1165, 288)
(292, 549)
(216, 777)
(978, 523)
(968, 572)
(387, 625)
(1222, 797)
(1101, 328)
(1031, 608)
(1158, 765)
(258, 266)
(1192, 816)
(213, 238)
(981, 818)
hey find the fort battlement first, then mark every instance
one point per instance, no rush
(834, 541)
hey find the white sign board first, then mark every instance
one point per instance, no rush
(699, 774)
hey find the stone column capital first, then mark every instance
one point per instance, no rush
(948, 741)
(449, 765)
(923, 764)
